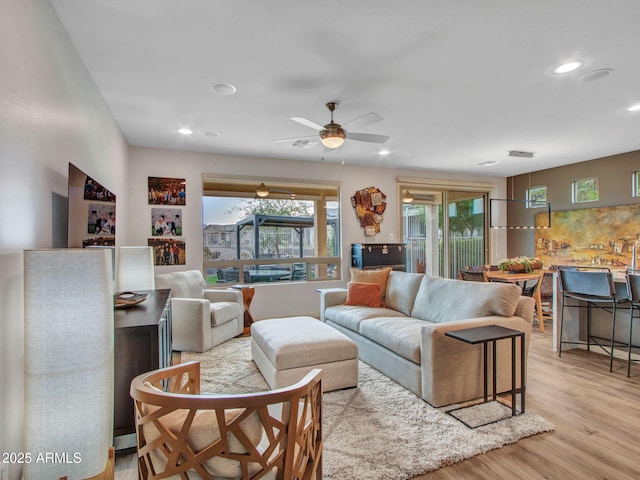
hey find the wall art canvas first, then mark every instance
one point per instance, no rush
(166, 222)
(167, 191)
(369, 204)
(168, 251)
(590, 236)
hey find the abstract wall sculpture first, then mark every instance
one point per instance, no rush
(590, 236)
(369, 204)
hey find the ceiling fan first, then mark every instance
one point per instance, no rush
(333, 134)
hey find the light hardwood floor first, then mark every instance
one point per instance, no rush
(596, 414)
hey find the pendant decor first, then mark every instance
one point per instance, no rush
(369, 204)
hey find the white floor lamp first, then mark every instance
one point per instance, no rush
(68, 362)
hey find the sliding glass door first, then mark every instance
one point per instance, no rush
(445, 231)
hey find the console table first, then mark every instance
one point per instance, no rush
(142, 344)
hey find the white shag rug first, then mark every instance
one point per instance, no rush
(378, 431)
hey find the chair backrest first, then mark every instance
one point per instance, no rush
(633, 285)
(597, 282)
(546, 286)
(187, 284)
(472, 276)
(183, 433)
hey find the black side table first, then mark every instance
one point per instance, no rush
(493, 333)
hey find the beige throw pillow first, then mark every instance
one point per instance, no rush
(373, 276)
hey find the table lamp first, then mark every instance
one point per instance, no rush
(69, 341)
(135, 269)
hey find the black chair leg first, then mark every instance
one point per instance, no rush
(630, 337)
(561, 325)
(613, 333)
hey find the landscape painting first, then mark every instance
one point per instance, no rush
(590, 237)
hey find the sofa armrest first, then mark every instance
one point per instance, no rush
(452, 370)
(191, 324)
(330, 297)
(215, 295)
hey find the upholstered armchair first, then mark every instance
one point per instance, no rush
(184, 434)
(201, 318)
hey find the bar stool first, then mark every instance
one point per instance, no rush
(593, 285)
(633, 290)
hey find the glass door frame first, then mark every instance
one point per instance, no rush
(444, 189)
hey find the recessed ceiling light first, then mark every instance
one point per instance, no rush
(185, 131)
(211, 134)
(488, 163)
(634, 108)
(223, 88)
(596, 75)
(568, 67)
(384, 152)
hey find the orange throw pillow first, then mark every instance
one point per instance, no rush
(363, 294)
(372, 276)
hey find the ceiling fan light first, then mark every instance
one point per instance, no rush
(262, 191)
(332, 136)
(407, 197)
(332, 142)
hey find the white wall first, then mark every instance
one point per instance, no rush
(273, 300)
(51, 113)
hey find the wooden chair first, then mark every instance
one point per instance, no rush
(269, 435)
(472, 276)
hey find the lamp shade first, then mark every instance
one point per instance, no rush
(262, 191)
(135, 269)
(69, 340)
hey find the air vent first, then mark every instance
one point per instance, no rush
(302, 144)
(518, 153)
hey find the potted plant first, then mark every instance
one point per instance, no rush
(520, 264)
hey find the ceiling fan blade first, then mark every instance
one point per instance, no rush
(307, 123)
(367, 137)
(363, 121)
(296, 138)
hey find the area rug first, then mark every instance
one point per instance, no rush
(378, 431)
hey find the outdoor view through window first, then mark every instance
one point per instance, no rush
(286, 237)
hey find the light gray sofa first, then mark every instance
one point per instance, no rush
(201, 318)
(406, 340)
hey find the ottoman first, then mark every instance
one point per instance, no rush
(286, 349)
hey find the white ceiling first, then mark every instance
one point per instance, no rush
(458, 82)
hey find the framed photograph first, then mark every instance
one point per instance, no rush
(101, 219)
(167, 191)
(94, 191)
(166, 222)
(99, 241)
(168, 251)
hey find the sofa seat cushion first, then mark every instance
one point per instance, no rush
(401, 335)
(444, 300)
(350, 317)
(223, 312)
(188, 284)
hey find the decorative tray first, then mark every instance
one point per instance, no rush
(128, 299)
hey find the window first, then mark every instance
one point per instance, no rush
(537, 197)
(635, 191)
(290, 232)
(585, 190)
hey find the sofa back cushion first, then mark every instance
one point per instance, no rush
(444, 300)
(188, 284)
(402, 288)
